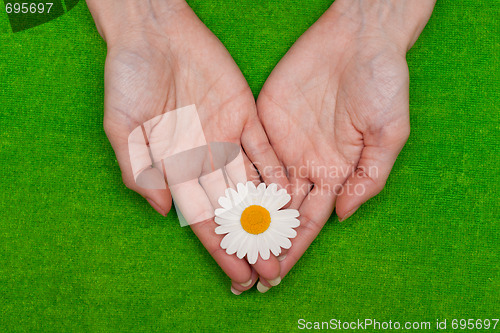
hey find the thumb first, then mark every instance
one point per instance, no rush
(369, 178)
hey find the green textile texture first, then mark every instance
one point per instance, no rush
(80, 252)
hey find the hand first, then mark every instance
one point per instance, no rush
(336, 112)
(163, 58)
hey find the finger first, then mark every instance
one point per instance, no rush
(268, 268)
(314, 212)
(215, 184)
(258, 149)
(268, 271)
(192, 201)
(252, 174)
(376, 162)
(241, 170)
(159, 199)
(299, 189)
(238, 270)
(196, 207)
(238, 288)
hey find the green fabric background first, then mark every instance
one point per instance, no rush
(80, 252)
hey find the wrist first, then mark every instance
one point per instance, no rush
(118, 19)
(398, 21)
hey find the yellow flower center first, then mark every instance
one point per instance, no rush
(255, 219)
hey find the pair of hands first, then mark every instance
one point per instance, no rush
(333, 113)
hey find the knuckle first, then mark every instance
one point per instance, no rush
(406, 131)
(311, 224)
(214, 251)
(378, 187)
(106, 125)
(395, 135)
(375, 182)
(260, 149)
(129, 183)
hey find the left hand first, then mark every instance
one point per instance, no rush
(336, 111)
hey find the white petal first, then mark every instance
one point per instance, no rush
(247, 201)
(280, 240)
(242, 192)
(282, 192)
(292, 223)
(278, 202)
(285, 214)
(273, 245)
(235, 243)
(254, 196)
(283, 230)
(267, 198)
(253, 251)
(262, 189)
(242, 189)
(231, 214)
(274, 200)
(251, 187)
(227, 240)
(243, 248)
(256, 199)
(227, 228)
(223, 221)
(263, 247)
(272, 189)
(221, 211)
(252, 199)
(231, 194)
(225, 203)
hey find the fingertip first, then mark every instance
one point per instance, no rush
(264, 285)
(345, 206)
(282, 257)
(235, 291)
(247, 284)
(267, 269)
(355, 192)
(157, 207)
(160, 200)
(274, 282)
(261, 287)
(241, 287)
(343, 217)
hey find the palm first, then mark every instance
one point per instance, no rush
(150, 75)
(343, 107)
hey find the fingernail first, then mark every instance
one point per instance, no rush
(156, 207)
(246, 284)
(235, 291)
(282, 257)
(262, 288)
(275, 282)
(348, 215)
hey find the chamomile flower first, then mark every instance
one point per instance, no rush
(253, 222)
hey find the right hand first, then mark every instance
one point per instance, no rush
(339, 97)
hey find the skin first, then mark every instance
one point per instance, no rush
(339, 97)
(160, 59)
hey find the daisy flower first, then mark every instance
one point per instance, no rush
(253, 222)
